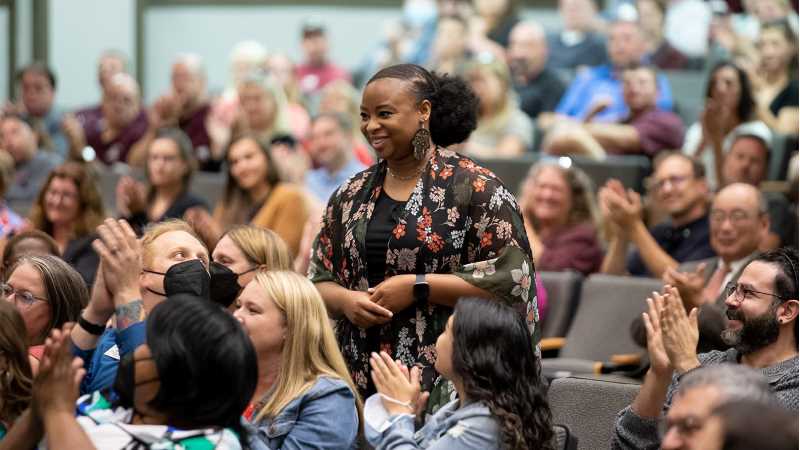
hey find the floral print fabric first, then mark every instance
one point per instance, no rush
(459, 220)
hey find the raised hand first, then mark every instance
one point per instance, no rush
(120, 255)
(56, 387)
(689, 284)
(392, 379)
(659, 360)
(679, 331)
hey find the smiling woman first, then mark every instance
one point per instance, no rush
(404, 239)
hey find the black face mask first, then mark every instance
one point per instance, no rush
(125, 382)
(225, 285)
(188, 277)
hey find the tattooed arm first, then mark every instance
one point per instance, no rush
(129, 314)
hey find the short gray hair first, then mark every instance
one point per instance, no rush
(734, 381)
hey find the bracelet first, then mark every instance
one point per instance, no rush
(91, 328)
(396, 401)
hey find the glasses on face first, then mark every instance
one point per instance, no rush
(65, 196)
(740, 292)
(685, 426)
(674, 181)
(737, 217)
(23, 298)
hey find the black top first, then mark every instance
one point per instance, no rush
(385, 217)
(541, 94)
(787, 97)
(689, 242)
(81, 256)
(175, 211)
(591, 51)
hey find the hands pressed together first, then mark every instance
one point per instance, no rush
(672, 335)
(398, 385)
(56, 387)
(621, 208)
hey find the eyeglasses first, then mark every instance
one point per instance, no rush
(685, 426)
(24, 297)
(736, 217)
(66, 196)
(739, 292)
(658, 185)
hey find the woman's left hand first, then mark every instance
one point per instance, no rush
(55, 389)
(392, 379)
(394, 293)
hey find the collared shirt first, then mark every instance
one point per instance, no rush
(602, 82)
(688, 242)
(322, 183)
(734, 268)
(29, 177)
(49, 126)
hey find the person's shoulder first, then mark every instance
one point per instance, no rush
(355, 183)
(329, 388)
(718, 357)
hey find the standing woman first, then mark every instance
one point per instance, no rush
(404, 239)
(169, 167)
(69, 208)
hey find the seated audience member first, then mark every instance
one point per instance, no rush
(561, 219)
(729, 104)
(316, 70)
(579, 42)
(303, 381)
(451, 50)
(496, 19)
(243, 250)
(69, 208)
(679, 189)
(659, 51)
(539, 88)
(600, 88)
(747, 424)
(47, 293)
(340, 97)
(762, 307)
(111, 62)
(122, 124)
(37, 84)
(133, 279)
(29, 242)
(169, 167)
(646, 130)
(31, 164)
(331, 149)
(10, 221)
(285, 73)
(18, 377)
(290, 157)
(185, 106)
(255, 195)
(775, 79)
(485, 350)
(503, 130)
(166, 395)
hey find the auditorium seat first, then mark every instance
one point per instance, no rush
(564, 438)
(563, 291)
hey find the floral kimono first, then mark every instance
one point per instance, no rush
(459, 220)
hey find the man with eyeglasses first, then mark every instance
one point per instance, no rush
(679, 189)
(762, 309)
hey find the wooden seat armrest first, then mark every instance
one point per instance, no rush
(551, 343)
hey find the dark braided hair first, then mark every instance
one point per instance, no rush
(493, 357)
(454, 106)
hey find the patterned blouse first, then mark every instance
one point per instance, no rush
(459, 220)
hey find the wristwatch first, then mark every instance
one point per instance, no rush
(91, 328)
(421, 288)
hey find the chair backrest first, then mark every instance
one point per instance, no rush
(209, 186)
(608, 304)
(563, 290)
(565, 440)
(589, 406)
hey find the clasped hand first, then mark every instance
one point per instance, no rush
(378, 305)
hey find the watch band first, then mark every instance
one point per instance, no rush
(91, 328)
(420, 278)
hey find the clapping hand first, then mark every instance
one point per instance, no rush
(690, 285)
(402, 386)
(679, 331)
(131, 196)
(120, 257)
(659, 360)
(56, 387)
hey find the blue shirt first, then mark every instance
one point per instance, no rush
(51, 124)
(323, 418)
(600, 82)
(323, 184)
(102, 361)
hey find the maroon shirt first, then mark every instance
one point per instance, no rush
(658, 130)
(195, 127)
(575, 247)
(116, 149)
(314, 78)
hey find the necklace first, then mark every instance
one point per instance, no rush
(409, 177)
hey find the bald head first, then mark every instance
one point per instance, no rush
(739, 221)
(121, 101)
(527, 50)
(188, 80)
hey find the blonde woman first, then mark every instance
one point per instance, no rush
(305, 397)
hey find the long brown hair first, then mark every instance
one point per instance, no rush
(90, 204)
(17, 380)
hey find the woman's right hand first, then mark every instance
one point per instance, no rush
(130, 196)
(362, 312)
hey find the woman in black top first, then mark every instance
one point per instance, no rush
(169, 167)
(775, 79)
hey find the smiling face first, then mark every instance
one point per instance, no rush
(262, 320)
(390, 115)
(677, 190)
(550, 196)
(248, 164)
(62, 201)
(37, 315)
(639, 89)
(736, 225)
(776, 51)
(753, 320)
(746, 161)
(328, 142)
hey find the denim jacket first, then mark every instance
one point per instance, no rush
(323, 417)
(471, 427)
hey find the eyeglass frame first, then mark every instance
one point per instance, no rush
(12, 290)
(675, 180)
(734, 288)
(684, 428)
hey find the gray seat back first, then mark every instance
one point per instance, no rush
(563, 290)
(589, 406)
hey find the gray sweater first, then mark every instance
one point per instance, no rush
(640, 433)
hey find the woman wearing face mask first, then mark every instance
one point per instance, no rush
(16, 380)
(166, 394)
(305, 397)
(169, 167)
(239, 253)
(48, 293)
(501, 402)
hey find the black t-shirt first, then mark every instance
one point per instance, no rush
(787, 97)
(690, 242)
(541, 94)
(385, 216)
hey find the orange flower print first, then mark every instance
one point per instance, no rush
(446, 173)
(399, 231)
(435, 243)
(486, 239)
(479, 185)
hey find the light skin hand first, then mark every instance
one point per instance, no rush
(689, 284)
(394, 380)
(57, 383)
(659, 360)
(680, 332)
(120, 251)
(395, 293)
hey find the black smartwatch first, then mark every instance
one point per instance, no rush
(422, 289)
(91, 328)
